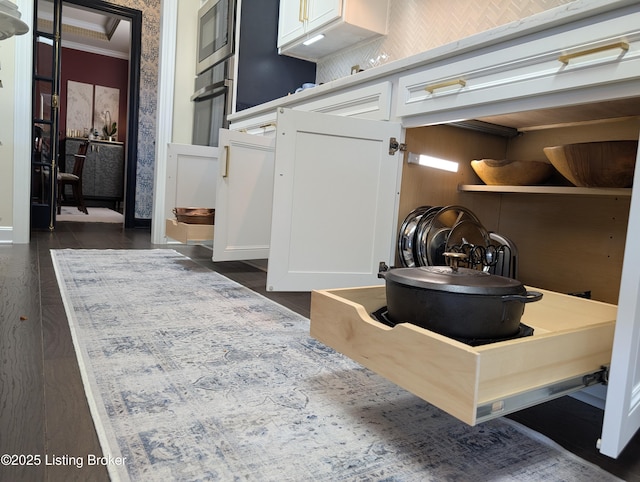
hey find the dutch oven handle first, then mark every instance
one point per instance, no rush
(382, 269)
(528, 297)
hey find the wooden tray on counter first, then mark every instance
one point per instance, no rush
(573, 339)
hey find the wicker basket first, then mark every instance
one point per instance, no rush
(195, 215)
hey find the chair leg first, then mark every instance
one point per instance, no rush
(60, 189)
(80, 198)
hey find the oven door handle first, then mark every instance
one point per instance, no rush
(211, 90)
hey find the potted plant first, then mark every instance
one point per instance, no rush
(110, 128)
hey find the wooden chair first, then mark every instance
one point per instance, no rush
(74, 179)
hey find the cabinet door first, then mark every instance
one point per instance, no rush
(291, 24)
(622, 410)
(335, 204)
(244, 193)
(321, 12)
(109, 171)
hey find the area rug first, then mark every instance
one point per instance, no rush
(191, 376)
(96, 215)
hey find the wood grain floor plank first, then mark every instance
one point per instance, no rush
(21, 374)
(69, 428)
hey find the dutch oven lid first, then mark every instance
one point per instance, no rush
(462, 280)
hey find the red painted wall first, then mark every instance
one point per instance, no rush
(97, 70)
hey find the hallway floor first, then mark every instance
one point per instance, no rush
(43, 409)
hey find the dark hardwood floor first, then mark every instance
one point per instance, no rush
(44, 414)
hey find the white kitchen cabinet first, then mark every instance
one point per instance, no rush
(244, 193)
(551, 65)
(510, 73)
(372, 102)
(335, 201)
(300, 16)
(342, 22)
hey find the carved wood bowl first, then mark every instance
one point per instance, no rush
(595, 164)
(512, 173)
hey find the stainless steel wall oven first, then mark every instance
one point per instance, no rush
(212, 103)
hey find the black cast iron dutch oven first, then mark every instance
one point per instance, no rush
(456, 302)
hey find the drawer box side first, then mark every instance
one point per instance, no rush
(523, 365)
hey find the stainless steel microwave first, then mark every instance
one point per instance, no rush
(216, 27)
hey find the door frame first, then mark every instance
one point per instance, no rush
(22, 119)
(133, 105)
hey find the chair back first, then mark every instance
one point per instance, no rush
(79, 159)
(82, 148)
(78, 165)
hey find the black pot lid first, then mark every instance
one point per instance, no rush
(464, 280)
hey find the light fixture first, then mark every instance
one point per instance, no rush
(430, 161)
(313, 40)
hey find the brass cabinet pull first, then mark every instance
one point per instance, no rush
(226, 161)
(301, 8)
(448, 83)
(265, 126)
(618, 45)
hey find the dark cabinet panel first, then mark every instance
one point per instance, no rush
(103, 173)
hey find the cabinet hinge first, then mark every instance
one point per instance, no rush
(395, 146)
(55, 101)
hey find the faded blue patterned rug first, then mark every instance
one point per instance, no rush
(192, 377)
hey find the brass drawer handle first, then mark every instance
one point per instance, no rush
(266, 126)
(448, 83)
(618, 45)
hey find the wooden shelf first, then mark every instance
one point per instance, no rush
(575, 191)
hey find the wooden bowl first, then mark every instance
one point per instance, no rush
(595, 164)
(512, 173)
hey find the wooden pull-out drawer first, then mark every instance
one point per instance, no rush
(184, 232)
(572, 340)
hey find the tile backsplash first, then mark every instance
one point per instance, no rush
(419, 25)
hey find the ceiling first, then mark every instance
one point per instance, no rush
(89, 30)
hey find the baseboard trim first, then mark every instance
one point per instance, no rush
(6, 234)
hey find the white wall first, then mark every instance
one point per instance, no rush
(7, 75)
(185, 72)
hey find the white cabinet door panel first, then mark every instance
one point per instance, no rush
(335, 201)
(190, 171)
(244, 196)
(622, 409)
(291, 23)
(321, 12)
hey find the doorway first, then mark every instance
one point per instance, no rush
(86, 105)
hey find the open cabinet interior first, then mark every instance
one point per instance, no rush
(569, 239)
